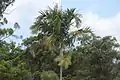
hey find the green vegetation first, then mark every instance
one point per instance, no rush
(52, 53)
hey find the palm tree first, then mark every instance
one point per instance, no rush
(54, 25)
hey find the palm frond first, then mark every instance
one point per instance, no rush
(81, 31)
(63, 60)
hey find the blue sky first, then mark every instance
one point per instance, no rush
(105, 8)
(102, 16)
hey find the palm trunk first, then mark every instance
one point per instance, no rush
(61, 72)
(61, 67)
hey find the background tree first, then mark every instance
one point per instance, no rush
(12, 64)
(3, 6)
(96, 60)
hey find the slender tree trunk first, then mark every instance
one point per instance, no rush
(61, 69)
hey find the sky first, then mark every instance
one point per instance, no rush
(102, 16)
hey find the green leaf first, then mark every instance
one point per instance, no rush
(10, 31)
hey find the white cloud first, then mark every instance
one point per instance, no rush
(25, 12)
(103, 26)
(29, 7)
